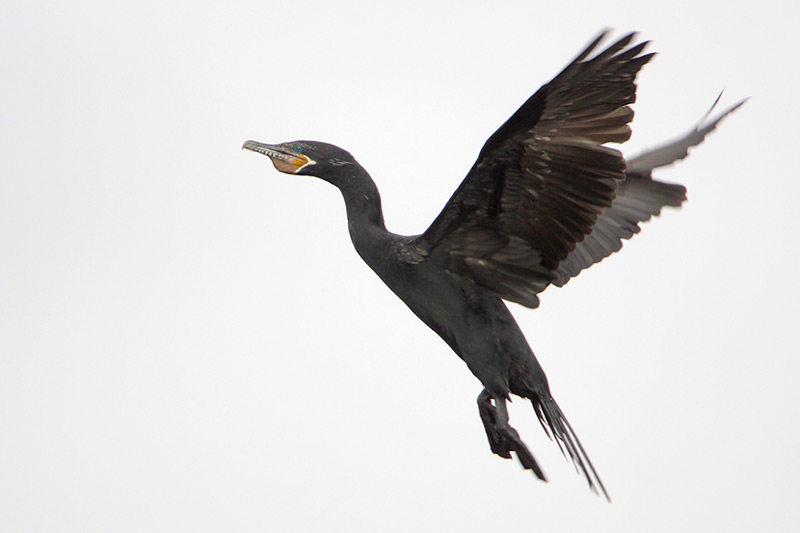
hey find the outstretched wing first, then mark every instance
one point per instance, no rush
(639, 198)
(542, 180)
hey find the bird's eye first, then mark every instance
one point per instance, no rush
(297, 148)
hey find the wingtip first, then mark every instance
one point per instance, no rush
(739, 104)
(704, 122)
(612, 49)
(593, 44)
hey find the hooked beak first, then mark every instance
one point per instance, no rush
(284, 161)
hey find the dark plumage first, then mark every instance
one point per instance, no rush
(545, 199)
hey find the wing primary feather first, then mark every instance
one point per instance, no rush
(678, 149)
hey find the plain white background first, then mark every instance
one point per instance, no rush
(189, 342)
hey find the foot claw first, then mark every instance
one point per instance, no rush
(504, 439)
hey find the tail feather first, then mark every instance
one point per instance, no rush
(558, 428)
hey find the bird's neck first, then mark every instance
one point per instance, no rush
(364, 211)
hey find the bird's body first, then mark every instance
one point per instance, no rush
(544, 200)
(473, 327)
(476, 325)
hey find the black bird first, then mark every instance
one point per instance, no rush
(545, 199)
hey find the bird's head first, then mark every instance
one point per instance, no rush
(309, 158)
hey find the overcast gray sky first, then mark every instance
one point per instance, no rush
(188, 341)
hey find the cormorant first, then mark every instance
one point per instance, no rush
(545, 199)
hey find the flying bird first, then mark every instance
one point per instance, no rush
(545, 199)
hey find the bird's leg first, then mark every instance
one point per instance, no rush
(504, 439)
(489, 418)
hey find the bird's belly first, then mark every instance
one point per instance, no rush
(482, 333)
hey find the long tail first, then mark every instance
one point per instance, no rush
(555, 424)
